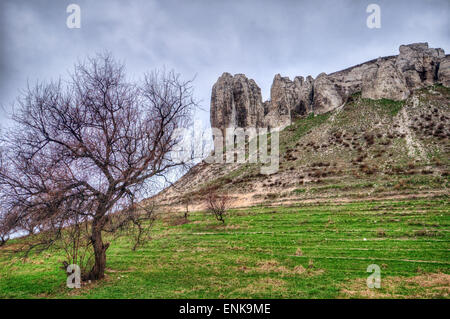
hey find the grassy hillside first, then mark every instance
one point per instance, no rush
(367, 149)
(303, 251)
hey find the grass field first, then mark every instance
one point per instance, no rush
(305, 251)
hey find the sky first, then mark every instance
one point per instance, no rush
(204, 38)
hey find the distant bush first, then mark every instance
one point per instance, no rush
(217, 205)
(381, 233)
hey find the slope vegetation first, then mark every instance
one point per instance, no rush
(365, 149)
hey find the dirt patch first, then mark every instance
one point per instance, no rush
(232, 227)
(430, 285)
(264, 285)
(415, 148)
(273, 266)
(112, 271)
(86, 286)
(178, 221)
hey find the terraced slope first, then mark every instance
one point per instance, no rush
(303, 251)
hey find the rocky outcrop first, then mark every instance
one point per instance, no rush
(444, 71)
(283, 97)
(419, 64)
(327, 95)
(236, 101)
(306, 95)
(288, 99)
(384, 80)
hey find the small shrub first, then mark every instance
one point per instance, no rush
(425, 232)
(400, 185)
(381, 233)
(217, 205)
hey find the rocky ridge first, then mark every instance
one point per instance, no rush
(236, 101)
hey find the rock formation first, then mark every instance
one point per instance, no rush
(236, 100)
(327, 95)
(419, 64)
(444, 71)
(384, 80)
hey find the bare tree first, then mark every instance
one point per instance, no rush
(186, 201)
(90, 148)
(217, 205)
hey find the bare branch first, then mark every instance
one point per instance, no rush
(83, 151)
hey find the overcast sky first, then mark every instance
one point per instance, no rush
(205, 38)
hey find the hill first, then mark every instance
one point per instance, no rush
(366, 149)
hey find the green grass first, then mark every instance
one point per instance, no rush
(256, 255)
(300, 128)
(391, 106)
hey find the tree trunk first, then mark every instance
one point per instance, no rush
(98, 270)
